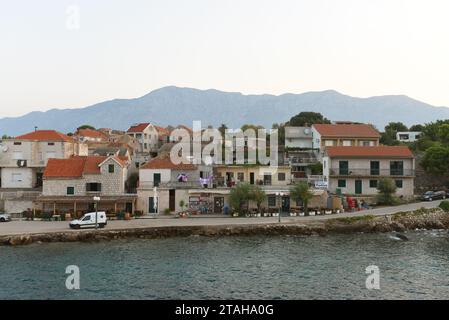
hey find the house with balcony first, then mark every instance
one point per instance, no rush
(70, 185)
(146, 135)
(356, 170)
(163, 184)
(343, 134)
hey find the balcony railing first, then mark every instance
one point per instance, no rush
(373, 172)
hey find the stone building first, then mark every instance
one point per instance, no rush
(69, 185)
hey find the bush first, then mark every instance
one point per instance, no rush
(386, 189)
(445, 205)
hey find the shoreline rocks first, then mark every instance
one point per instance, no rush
(420, 219)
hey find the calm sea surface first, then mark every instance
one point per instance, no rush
(331, 267)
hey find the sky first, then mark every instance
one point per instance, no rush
(71, 54)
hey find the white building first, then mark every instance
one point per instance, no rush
(298, 137)
(357, 170)
(409, 136)
(23, 159)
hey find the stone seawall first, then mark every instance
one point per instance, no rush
(401, 222)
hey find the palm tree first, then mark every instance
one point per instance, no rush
(301, 191)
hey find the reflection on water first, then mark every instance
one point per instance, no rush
(287, 267)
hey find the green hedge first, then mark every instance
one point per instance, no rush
(445, 205)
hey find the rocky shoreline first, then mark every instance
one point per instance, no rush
(400, 222)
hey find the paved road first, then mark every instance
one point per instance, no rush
(29, 227)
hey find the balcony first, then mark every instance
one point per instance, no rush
(372, 172)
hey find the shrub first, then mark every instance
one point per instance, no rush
(167, 211)
(387, 189)
(120, 215)
(445, 205)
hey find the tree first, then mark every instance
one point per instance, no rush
(435, 160)
(239, 196)
(386, 189)
(258, 196)
(301, 192)
(443, 133)
(388, 137)
(307, 118)
(417, 128)
(132, 182)
(86, 126)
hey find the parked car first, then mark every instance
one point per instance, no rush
(434, 195)
(4, 217)
(88, 220)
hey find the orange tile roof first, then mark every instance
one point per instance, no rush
(138, 128)
(166, 163)
(370, 152)
(45, 135)
(91, 133)
(162, 130)
(347, 130)
(76, 167)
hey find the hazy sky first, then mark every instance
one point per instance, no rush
(124, 49)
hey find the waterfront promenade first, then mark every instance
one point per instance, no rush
(22, 227)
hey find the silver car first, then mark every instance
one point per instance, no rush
(4, 217)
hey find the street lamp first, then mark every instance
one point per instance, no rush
(96, 199)
(279, 195)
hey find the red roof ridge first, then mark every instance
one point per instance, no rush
(347, 130)
(45, 135)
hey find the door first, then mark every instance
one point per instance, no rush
(157, 179)
(358, 187)
(218, 205)
(39, 176)
(151, 208)
(285, 204)
(251, 177)
(172, 200)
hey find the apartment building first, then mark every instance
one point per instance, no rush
(357, 170)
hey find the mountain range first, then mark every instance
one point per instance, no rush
(173, 105)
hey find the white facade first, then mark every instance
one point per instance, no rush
(359, 171)
(148, 139)
(298, 137)
(410, 136)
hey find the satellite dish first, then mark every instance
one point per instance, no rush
(306, 130)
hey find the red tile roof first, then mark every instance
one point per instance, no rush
(138, 128)
(162, 131)
(166, 163)
(75, 167)
(45, 135)
(347, 130)
(91, 134)
(370, 152)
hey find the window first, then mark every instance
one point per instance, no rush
(328, 143)
(397, 168)
(51, 143)
(374, 168)
(16, 177)
(70, 191)
(366, 143)
(137, 165)
(373, 184)
(267, 179)
(347, 143)
(111, 168)
(156, 179)
(17, 143)
(343, 167)
(342, 183)
(240, 176)
(93, 187)
(399, 184)
(281, 176)
(271, 200)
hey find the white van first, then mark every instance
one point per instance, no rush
(88, 220)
